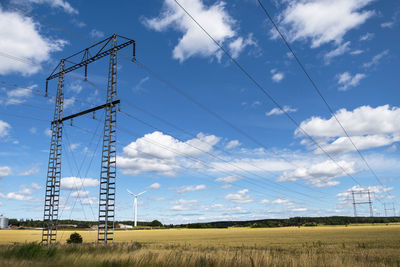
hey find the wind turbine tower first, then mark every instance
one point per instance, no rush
(135, 205)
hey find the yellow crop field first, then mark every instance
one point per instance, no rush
(291, 246)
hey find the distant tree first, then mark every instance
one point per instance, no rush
(156, 223)
(75, 238)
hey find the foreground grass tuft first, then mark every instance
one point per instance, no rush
(29, 251)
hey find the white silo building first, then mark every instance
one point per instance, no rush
(3, 222)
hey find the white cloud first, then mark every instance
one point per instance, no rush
(154, 186)
(137, 165)
(368, 36)
(282, 201)
(64, 5)
(73, 147)
(179, 207)
(356, 52)
(320, 174)
(33, 130)
(346, 80)
(237, 46)
(190, 188)
(47, 132)
(157, 152)
(232, 144)
(214, 19)
(228, 179)
(376, 59)
(277, 76)
(19, 95)
(343, 144)
(69, 102)
(80, 194)
(299, 209)
(388, 24)
(25, 193)
(70, 183)
(4, 171)
(369, 128)
(4, 128)
(96, 34)
(240, 197)
(139, 87)
(22, 40)
(76, 87)
(15, 196)
(340, 50)
(265, 201)
(183, 204)
(185, 201)
(33, 170)
(278, 111)
(323, 21)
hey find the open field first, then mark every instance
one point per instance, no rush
(314, 246)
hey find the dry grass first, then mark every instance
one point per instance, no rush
(318, 246)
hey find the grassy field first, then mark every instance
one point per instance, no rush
(313, 246)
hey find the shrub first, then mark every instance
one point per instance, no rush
(75, 238)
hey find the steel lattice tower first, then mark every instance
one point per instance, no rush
(52, 195)
(108, 46)
(108, 157)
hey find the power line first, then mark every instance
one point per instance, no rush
(314, 85)
(265, 92)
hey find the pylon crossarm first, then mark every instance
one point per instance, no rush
(98, 50)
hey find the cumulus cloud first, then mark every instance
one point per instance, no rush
(346, 80)
(33, 170)
(61, 4)
(5, 171)
(282, 201)
(366, 37)
(4, 128)
(278, 111)
(190, 188)
(323, 21)
(232, 144)
(96, 34)
(240, 196)
(80, 194)
(154, 186)
(228, 179)
(376, 59)
(237, 46)
(157, 152)
(22, 40)
(19, 95)
(320, 174)
(369, 128)
(73, 183)
(25, 193)
(340, 50)
(214, 19)
(277, 76)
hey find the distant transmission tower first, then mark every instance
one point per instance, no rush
(99, 50)
(389, 209)
(355, 203)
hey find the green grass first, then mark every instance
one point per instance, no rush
(315, 246)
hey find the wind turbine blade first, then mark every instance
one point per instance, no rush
(141, 193)
(130, 192)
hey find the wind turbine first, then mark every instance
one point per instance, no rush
(135, 204)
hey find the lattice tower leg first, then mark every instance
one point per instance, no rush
(108, 158)
(52, 193)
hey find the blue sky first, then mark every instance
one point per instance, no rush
(207, 145)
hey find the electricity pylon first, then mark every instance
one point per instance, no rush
(108, 46)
